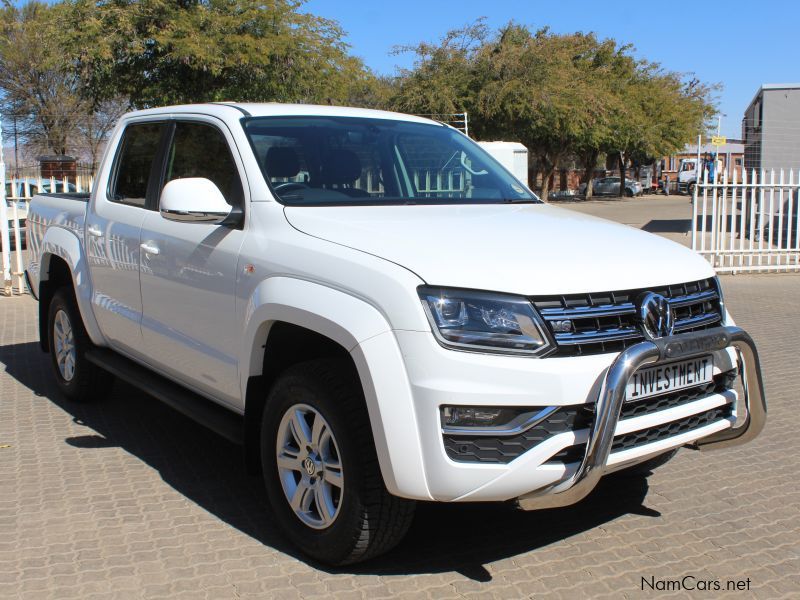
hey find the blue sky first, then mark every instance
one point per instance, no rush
(736, 43)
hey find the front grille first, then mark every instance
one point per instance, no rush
(494, 449)
(607, 322)
(668, 430)
(653, 434)
(721, 382)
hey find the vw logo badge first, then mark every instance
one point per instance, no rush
(309, 466)
(655, 315)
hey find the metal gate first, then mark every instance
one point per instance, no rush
(15, 197)
(748, 221)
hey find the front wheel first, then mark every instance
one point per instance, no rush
(321, 469)
(77, 378)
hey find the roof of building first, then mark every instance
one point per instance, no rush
(773, 86)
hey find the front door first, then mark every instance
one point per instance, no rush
(188, 271)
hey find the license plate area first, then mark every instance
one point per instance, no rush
(665, 378)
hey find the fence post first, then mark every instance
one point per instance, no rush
(694, 211)
(4, 237)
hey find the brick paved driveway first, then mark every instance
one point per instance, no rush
(128, 499)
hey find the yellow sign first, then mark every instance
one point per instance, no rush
(718, 140)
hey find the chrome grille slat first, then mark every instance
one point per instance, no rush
(606, 322)
(692, 322)
(693, 299)
(599, 336)
(553, 314)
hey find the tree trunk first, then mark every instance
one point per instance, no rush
(589, 163)
(533, 171)
(547, 172)
(621, 174)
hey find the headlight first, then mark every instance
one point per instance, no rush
(485, 321)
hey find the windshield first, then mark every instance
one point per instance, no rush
(357, 161)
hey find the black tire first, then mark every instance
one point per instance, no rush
(88, 381)
(646, 467)
(370, 521)
(690, 189)
(628, 193)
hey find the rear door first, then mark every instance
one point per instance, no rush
(188, 269)
(113, 227)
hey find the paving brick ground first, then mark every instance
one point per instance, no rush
(128, 499)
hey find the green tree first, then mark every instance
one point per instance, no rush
(160, 52)
(656, 113)
(443, 79)
(562, 96)
(37, 85)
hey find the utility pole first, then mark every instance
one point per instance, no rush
(16, 151)
(4, 237)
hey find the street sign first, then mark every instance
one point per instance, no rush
(719, 140)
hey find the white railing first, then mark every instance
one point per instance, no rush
(16, 195)
(748, 222)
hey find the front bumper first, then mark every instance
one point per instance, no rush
(578, 485)
(432, 377)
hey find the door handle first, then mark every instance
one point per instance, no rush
(149, 248)
(94, 230)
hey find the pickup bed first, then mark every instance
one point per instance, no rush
(380, 314)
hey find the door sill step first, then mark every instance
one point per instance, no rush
(207, 413)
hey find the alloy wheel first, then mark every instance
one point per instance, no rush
(64, 345)
(309, 466)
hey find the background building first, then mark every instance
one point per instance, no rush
(771, 128)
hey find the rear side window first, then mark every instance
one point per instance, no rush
(137, 154)
(200, 150)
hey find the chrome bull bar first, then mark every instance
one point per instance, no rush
(612, 395)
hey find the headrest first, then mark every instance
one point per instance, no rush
(340, 166)
(282, 162)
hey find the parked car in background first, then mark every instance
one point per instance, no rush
(609, 186)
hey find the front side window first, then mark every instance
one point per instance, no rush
(138, 150)
(201, 150)
(347, 160)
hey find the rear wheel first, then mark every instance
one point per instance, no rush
(77, 378)
(321, 469)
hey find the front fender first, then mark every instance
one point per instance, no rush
(363, 331)
(66, 245)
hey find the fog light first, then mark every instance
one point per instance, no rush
(484, 417)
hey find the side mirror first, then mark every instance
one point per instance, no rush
(194, 200)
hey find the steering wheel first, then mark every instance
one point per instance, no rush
(290, 185)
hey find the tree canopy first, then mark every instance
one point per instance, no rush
(67, 71)
(159, 52)
(562, 96)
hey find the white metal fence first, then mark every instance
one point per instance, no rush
(15, 196)
(748, 221)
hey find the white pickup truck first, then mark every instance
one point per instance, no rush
(380, 314)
